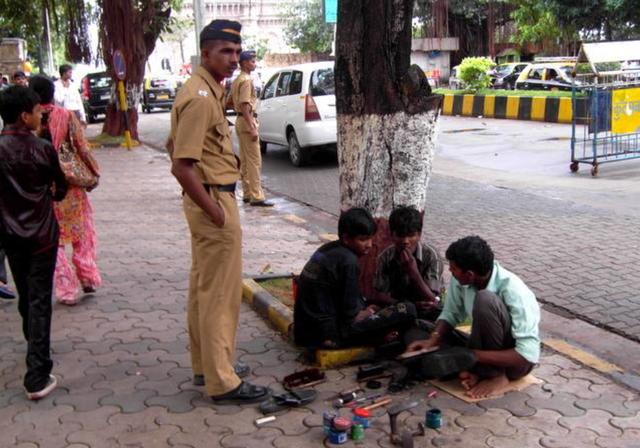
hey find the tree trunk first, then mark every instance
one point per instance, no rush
(134, 31)
(387, 116)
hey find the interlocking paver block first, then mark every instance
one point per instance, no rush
(47, 429)
(470, 438)
(578, 438)
(514, 402)
(612, 403)
(594, 420)
(563, 403)
(543, 420)
(177, 403)
(628, 440)
(495, 420)
(529, 438)
(258, 439)
(203, 437)
(83, 401)
(576, 386)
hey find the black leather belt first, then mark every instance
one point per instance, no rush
(228, 188)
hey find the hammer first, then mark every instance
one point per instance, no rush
(382, 401)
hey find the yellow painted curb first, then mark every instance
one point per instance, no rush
(447, 105)
(565, 111)
(537, 108)
(282, 319)
(326, 359)
(490, 106)
(249, 288)
(581, 356)
(467, 105)
(513, 103)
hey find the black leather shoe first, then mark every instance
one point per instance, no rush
(244, 393)
(241, 369)
(262, 204)
(447, 362)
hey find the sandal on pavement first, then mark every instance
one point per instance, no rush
(292, 399)
(244, 393)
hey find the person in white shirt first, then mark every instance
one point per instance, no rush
(67, 95)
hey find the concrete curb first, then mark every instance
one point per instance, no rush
(268, 306)
(549, 109)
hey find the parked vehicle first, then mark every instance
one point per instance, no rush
(158, 92)
(504, 76)
(546, 76)
(297, 108)
(95, 90)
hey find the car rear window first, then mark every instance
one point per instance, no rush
(100, 81)
(322, 82)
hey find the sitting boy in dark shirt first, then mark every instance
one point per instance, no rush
(409, 271)
(30, 180)
(330, 310)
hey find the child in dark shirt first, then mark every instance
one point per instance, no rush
(409, 270)
(30, 180)
(330, 310)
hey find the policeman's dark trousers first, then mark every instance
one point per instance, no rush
(33, 276)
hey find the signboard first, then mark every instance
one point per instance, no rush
(119, 66)
(330, 11)
(625, 111)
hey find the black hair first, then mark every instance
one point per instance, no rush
(44, 87)
(64, 68)
(15, 100)
(356, 222)
(405, 220)
(471, 253)
(19, 74)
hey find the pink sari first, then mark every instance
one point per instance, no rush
(75, 217)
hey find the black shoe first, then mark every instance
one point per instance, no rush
(246, 200)
(6, 293)
(88, 289)
(241, 369)
(244, 393)
(262, 204)
(446, 362)
(51, 384)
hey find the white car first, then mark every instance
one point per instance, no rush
(297, 108)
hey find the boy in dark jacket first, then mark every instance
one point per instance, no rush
(330, 310)
(30, 180)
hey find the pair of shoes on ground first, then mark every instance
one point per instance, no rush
(51, 384)
(241, 369)
(263, 203)
(6, 292)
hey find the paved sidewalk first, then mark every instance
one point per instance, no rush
(122, 355)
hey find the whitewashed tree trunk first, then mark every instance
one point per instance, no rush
(387, 116)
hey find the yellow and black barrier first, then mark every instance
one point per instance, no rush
(536, 108)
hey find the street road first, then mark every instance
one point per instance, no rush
(574, 239)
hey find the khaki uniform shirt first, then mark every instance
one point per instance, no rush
(200, 131)
(242, 91)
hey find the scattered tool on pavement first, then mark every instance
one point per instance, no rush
(382, 401)
(264, 420)
(292, 399)
(304, 378)
(404, 439)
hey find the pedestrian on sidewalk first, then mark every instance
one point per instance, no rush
(67, 94)
(504, 338)
(243, 94)
(74, 213)
(204, 164)
(30, 180)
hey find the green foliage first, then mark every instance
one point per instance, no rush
(306, 29)
(500, 92)
(535, 22)
(259, 44)
(473, 72)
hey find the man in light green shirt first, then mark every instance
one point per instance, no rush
(505, 313)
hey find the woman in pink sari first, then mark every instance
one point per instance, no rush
(74, 213)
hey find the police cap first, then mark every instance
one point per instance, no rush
(247, 54)
(228, 30)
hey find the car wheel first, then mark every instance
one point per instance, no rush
(296, 153)
(263, 147)
(91, 118)
(146, 109)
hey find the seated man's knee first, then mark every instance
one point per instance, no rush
(486, 303)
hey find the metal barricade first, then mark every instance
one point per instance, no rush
(608, 130)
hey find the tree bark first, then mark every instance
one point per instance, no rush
(387, 116)
(132, 28)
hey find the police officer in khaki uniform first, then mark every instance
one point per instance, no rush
(243, 95)
(207, 169)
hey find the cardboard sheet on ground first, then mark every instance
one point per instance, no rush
(454, 388)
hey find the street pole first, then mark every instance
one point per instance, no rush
(198, 10)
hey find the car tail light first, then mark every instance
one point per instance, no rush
(311, 112)
(86, 90)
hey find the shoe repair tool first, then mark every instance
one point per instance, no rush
(327, 421)
(432, 394)
(433, 418)
(361, 417)
(304, 378)
(424, 351)
(349, 391)
(346, 397)
(264, 420)
(370, 371)
(406, 436)
(357, 432)
(339, 428)
(382, 401)
(359, 401)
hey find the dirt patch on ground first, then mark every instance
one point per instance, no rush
(281, 289)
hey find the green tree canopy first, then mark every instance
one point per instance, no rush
(306, 29)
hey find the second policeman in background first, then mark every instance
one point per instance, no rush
(243, 94)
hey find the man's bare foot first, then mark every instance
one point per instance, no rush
(488, 387)
(468, 379)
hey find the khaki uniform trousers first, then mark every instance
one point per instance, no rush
(215, 292)
(251, 162)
